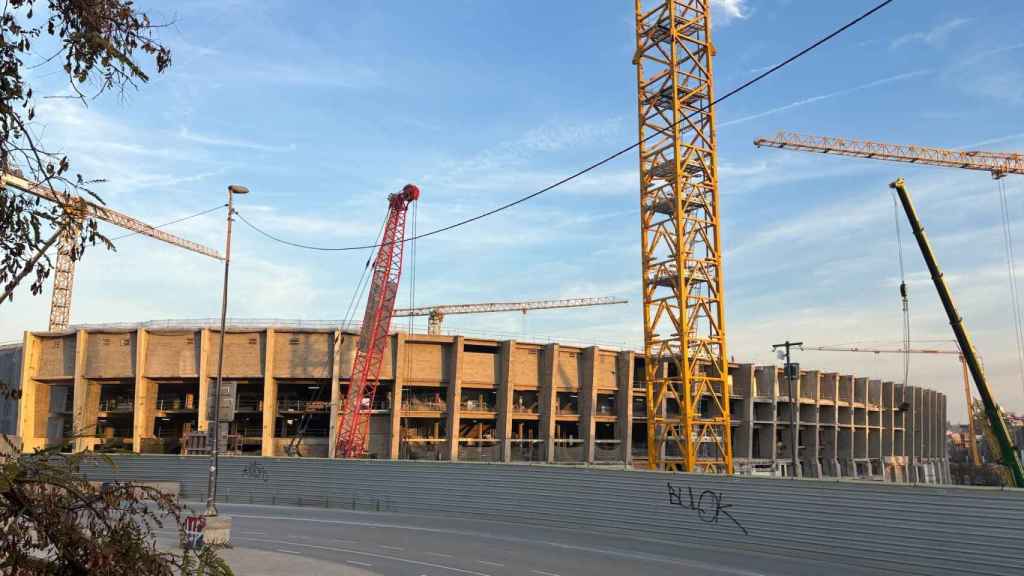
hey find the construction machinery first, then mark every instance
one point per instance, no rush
(684, 308)
(1002, 435)
(435, 314)
(999, 164)
(64, 270)
(972, 441)
(353, 421)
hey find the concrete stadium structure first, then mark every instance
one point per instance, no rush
(142, 387)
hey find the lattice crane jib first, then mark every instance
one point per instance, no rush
(80, 209)
(353, 416)
(687, 381)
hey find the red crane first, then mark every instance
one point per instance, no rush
(380, 306)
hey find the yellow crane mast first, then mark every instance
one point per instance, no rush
(688, 421)
(64, 270)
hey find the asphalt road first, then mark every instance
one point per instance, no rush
(400, 545)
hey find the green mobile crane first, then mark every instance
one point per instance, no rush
(995, 420)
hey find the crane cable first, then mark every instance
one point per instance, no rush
(1011, 270)
(294, 447)
(603, 161)
(904, 293)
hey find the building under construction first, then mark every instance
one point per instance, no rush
(146, 387)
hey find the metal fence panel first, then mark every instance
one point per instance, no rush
(897, 529)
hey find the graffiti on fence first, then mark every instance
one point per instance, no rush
(708, 505)
(256, 471)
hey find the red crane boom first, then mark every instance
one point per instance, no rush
(380, 306)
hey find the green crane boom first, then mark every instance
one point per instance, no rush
(999, 430)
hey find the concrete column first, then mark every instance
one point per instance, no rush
(743, 435)
(912, 399)
(87, 399)
(402, 367)
(332, 434)
(828, 421)
(546, 398)
(455, 396)
(810, 383)
(624, 427)
(35, 398)
(887, 450)
(269, 394)
(505, 390)
(204, 379)
(587, 398)
(145, 394)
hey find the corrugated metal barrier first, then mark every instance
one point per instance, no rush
(897, 529)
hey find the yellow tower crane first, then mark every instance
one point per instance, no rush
(436, 314)
(684, 307)
(64, 270)
(998, 164)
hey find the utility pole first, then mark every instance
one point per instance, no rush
(792, 372)
(211, 487)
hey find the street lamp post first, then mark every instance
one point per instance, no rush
(794, 403)
(211, 488)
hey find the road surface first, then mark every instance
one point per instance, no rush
(400, 545)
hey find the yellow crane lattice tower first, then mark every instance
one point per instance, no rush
(688, 422)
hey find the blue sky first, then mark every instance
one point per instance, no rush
(323, 108)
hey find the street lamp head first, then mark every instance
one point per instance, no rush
(236, 189)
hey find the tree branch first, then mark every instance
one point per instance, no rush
(9, 291)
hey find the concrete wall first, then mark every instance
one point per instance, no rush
(453, 398)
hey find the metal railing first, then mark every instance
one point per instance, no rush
(290, 405)
(568, 450)
(479, 450)
(423, 449)
(568, 410)
(531, 409)
(417, 405)
(175, 403)
(527, 450)
(477, 406)
(608, 450)
(117, 405)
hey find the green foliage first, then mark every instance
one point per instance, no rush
(53, 521)
(57, 522)
(99, 46)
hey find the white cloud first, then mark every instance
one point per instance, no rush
(837, 94)
(935, 37)
(189, 136)
(731, 10)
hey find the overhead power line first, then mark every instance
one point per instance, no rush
(196, 215)
(599, 163)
